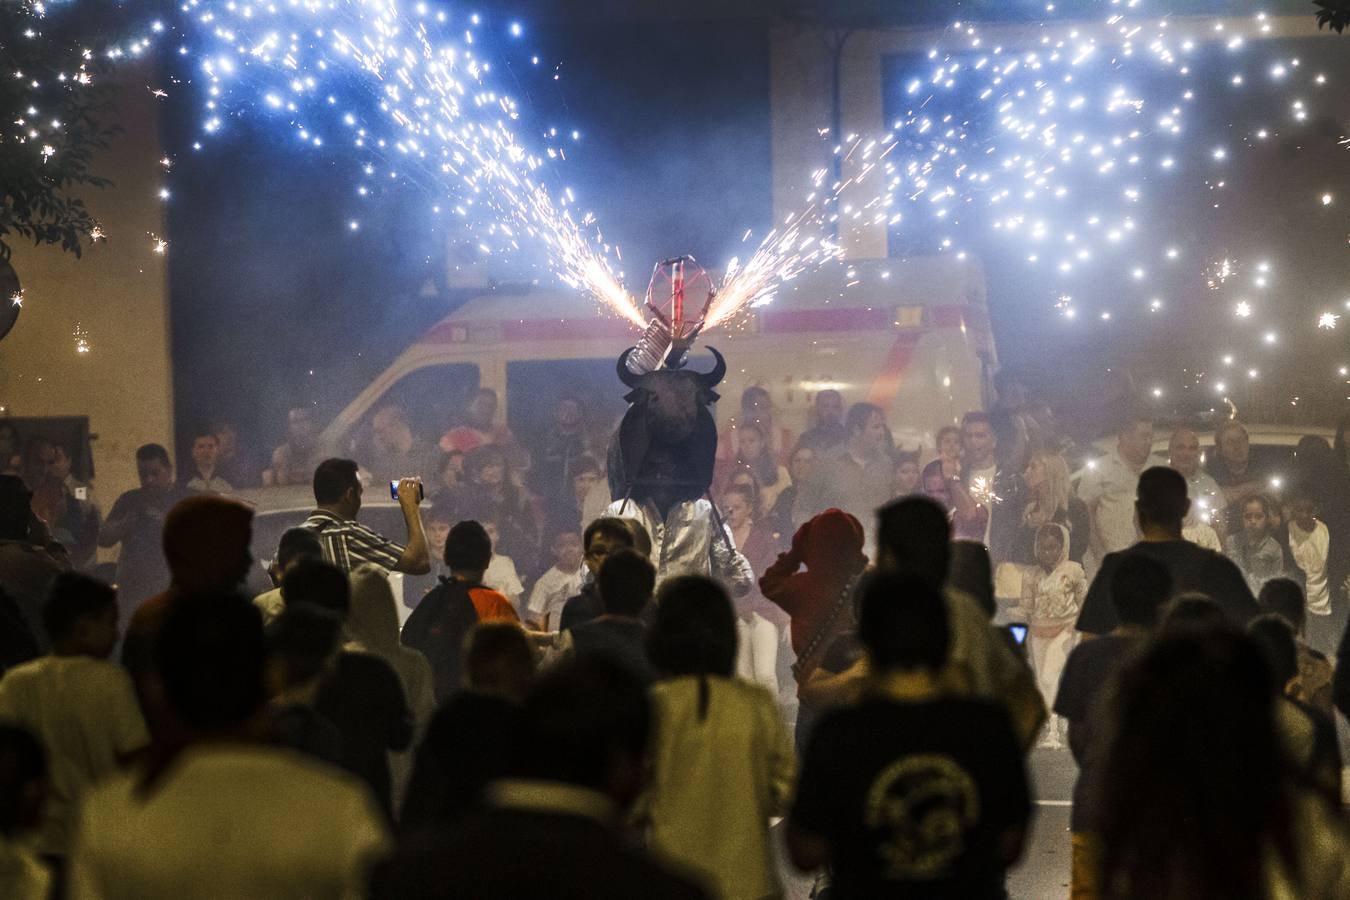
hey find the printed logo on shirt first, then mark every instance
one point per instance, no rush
(925, 803)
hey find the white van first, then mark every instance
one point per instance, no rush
(911, 336)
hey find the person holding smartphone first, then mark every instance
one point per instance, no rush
(346, 542)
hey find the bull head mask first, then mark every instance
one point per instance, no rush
(668, 438)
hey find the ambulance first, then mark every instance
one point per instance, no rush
(911, 336)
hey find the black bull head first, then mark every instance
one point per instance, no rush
(668, 434)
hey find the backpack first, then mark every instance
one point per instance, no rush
(437, 628)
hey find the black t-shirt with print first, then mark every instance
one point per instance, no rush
(912, 797)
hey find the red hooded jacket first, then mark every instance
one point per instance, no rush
(830, 545)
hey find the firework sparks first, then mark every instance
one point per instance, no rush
(1327, 321)
(16, 298)
(81, 336)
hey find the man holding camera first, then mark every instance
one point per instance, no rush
(346, 542)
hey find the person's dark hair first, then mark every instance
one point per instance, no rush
(304, 636)
(626, 580)
(148, 452)
(442, 509)
(1284, 598)
(317, 583)
(914, 538)
(23, 772)
(1195, 789)
(468, 547)
(972, 572)
(581, 719)
(858, 414)
(333, 478)
(903, 623)
(1193, 611)
(498, 659)
(612, 527)
(1161, 497)
(751, 392)
(446, 458)
(15, 508)
(976, 417)
(1258, 498)
(298, 543)
(1274, 637)
(71, 597)
(202, 432)
(900, 457)
(479, 458)
(1140, 587)
(642, 538)
(694, 632)
(210, 656)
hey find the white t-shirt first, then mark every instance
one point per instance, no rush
(1310, 552)
(84, 710)
(551, 592)
(501, 576)
(228, 820)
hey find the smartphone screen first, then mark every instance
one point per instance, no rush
(1019, 633)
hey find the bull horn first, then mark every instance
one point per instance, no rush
(628, 378)
(719, 370)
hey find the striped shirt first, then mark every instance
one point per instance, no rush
(347, 543)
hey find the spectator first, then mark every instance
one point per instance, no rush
(1232, 468)
(1161, 506)
(1108, 488)
(303, 643)
(479, 427)
(475, 735)
(205, 476)
(1284, 598)
(1255, 549)
(24, 778)
(1048, 500)
(722, 762)
(830, 546)
(625, 582)
(234, 463)
(904, 474)
(587, 727)
(63, 502)
(1197, 799)
(756, 620)
(780, 516)
(490, 494)
(1310, 545)
(135, 522)
(754, 456)
(1014, 428)
(561, 451)
(914, 539)
(373, 627)
(395, 452)
(449, 473)
(296, 829)
(364, 697)
(346, 542)
(439, 516)
(563, 511)
(977, 495)
(560, 583)
(753, 540)
(296, 544)
(293, 462)
(438, 625)
(756, 410)
(1208, 506)
(603, 537)
(1320, 474)
(1140, 587)
(206, 544)
(1053, 595)
(687, 538)
(1308, 734)
(913, 792)
(948, 463)
(828, 432)
(79, 704)
(501, 574)
(855, 476)
(26, 567)
(1192, 612)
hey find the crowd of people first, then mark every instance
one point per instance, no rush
(579, 694)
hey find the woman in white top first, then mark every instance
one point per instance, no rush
(722, 759)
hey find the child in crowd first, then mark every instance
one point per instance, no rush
(1053, 591)
(1284, 598)
(501, 573)
(1310, 542)
(1254, 548)
(559, 584)
(904, 474)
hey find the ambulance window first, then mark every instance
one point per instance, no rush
(534, 387)
(433, 398)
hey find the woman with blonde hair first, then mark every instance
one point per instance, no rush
(1047, 500)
